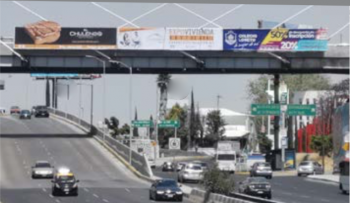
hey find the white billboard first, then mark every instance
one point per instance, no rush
(141, 38)
(193, 39)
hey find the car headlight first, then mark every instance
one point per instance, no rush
(36, 172)
(160, 192)
(252, 186)
(268, 186)
(57, 185)
(179, 193)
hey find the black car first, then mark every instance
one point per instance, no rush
(168, 166)
(165, 189)
(64, 184)
(25, 114)
(41, 111)
(255, 186)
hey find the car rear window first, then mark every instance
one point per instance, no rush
(305, 163)
(264, 164)
(195, 167)
(167, 183)
(42, 165)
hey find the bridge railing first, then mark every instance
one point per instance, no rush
(138, 161)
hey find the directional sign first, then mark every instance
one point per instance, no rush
(298, 110)
(174, 143)
(169, 124)
(346, 146)
(142, 123)
(266, 109)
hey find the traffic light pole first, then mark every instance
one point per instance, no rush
(276, 120)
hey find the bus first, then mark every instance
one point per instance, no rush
(341, 145)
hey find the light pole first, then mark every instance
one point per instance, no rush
(104, 91)
(157, 118)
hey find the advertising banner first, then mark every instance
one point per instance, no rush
(193, 39)
(50, 35)
(280, 39)
(141, 38)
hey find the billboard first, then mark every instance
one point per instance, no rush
(193, 39)
(279, 39)
(141, 38)
(50, 35)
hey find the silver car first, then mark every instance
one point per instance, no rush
(190, 172)
(179, 166)
(261, 169)
(42, 169)
(309, 167)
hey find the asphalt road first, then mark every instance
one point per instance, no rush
(288, 189)
(102, 177)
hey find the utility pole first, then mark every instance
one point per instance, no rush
(276, 121)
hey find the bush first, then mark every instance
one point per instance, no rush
(218, 182)
(320, 141)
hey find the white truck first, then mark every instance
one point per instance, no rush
(226, 155)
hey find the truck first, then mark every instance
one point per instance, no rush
(226, 155)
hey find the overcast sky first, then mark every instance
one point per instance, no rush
(22, 90)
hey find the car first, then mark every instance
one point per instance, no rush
(179, 166)
(309, 167)
(15, 110)
(203, 164)
(42, 169)
(25, 114)
(41, 111)
(168, 166)
(34, 109)
(255, 186)
(261, 169)
(190, 172)
(2, 110)
(64, 183)
(165, 189)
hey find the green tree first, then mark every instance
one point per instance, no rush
(125, 129)
(215, 124)
(264, 142)
(215, 181)
(113, 125)
(322, 144)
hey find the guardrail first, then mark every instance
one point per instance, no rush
(138, 161)
(251, 198)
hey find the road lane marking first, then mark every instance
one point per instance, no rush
(105, 200)
(325, 200)
(86, 190)
(95, 195)
(304, 196)
(57, 200)
(127, 189)
(51, 196)
(44, 189)
(48, 153)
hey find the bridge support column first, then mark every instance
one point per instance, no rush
(276, 121)
(47, 93)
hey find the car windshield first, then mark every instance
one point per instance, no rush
(257, 180)
(167, 183)
(194, 167)
(15, 107)
(66, 179)
(42, 165)
(264, 164)
(305, 163)
(25, 111)
(41, 108)
(226, 157)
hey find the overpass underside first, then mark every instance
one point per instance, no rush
(335, 61)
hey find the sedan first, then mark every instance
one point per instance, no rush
(255, 186)
(15, 109)
(191, 172)
(42, 169)
(261, 169)
(309, 167)
(180, 165)
(25, 114)
(165, 189)
(168, 166)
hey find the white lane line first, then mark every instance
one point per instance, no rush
(51, 158)
(51, 195)
(105, 200)
(325, 200)
(44, 189)
(127, 189)
(48, 153)
(57, 200)
(86, 190)
(304, 196)
(95, 195)
(39, 185)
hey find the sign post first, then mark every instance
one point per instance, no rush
(284, 145)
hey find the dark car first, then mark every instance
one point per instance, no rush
(41, 111)
(261, 169)
(15, 109)
(165, 189)
(33, 109)
(255, 186)
(168, 166)
(64, 184)
(25, 114)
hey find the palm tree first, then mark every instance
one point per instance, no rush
(163, 81)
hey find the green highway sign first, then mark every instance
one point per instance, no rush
(266, 109)
(142, 123)
(169, 124)
(301, 110)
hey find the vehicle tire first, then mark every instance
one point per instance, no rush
(156, 198)
(150, 196)
(269, 196)
(299, 174)
(180, 199)
(54, 193)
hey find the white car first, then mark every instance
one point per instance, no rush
(309, 168)
(190, 172)
(42, 169)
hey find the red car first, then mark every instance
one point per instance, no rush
(15, 109)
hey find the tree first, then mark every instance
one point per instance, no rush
(320, 141)
(198, 127)
(163, 81)
(218, 182)
(151, 129)
(264, 142)
(135, 129)
(125, 129)
(113, 125)
(215, 126)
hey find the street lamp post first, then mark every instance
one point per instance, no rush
(104, 90)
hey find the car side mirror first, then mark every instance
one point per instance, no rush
(78, 181)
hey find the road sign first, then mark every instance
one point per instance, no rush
(346, 147)
(284, 142)
(142, 123)
(298, 110)
(169, 124)
(266, 109)
(174, 143)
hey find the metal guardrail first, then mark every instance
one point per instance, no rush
(251, 198)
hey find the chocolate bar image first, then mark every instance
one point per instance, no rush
(44, 32)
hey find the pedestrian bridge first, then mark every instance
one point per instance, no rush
(335, 60)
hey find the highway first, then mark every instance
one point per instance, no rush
(288, 189)
(102, 177)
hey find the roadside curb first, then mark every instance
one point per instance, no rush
(322, 180)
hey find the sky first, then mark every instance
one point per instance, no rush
(22, 90)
